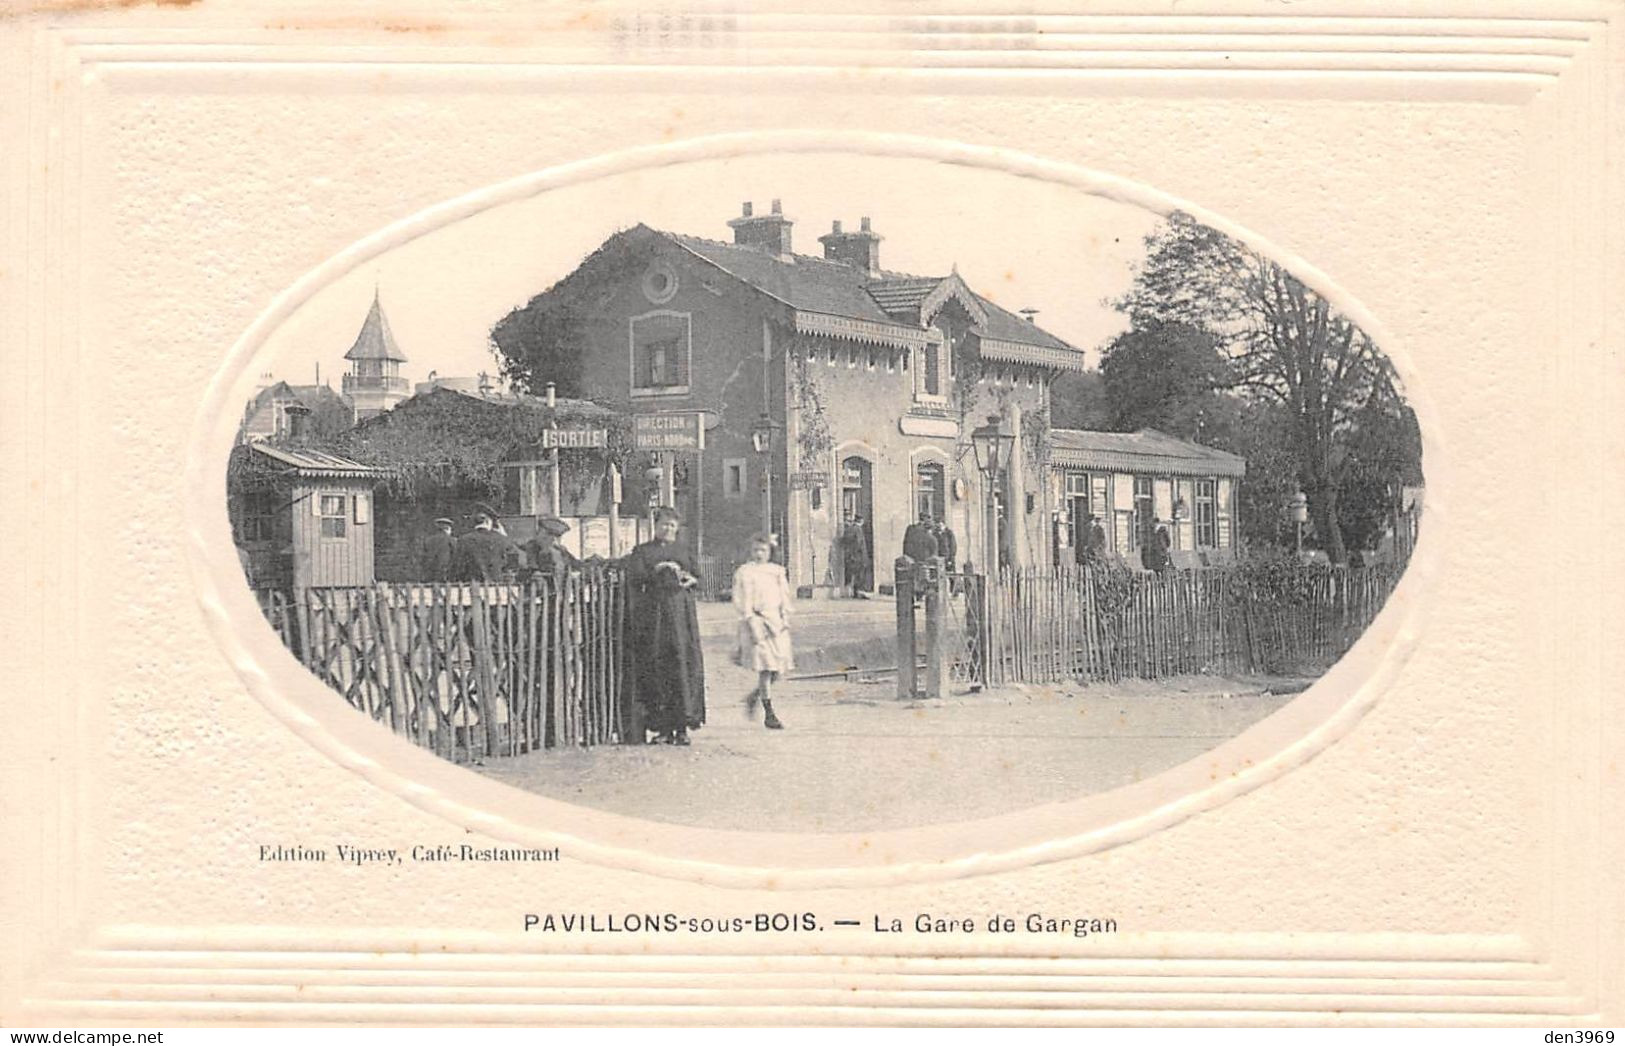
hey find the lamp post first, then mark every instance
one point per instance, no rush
(1299, 504)
(992, 444)
(654, 477)
(761, 437)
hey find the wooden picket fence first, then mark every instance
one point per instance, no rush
(1039, 626)
(469, 670)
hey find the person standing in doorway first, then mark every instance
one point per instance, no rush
(761, 595)
(1156, 555)
(947, 544)
(855, 560)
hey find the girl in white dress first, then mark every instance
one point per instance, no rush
(762, 597)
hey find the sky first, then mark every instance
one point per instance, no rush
(1018, 241)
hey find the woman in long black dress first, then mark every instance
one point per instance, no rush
(669, 669)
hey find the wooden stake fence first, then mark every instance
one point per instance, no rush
(469, 670)
(1041, 626)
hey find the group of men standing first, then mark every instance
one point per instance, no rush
(1155, 545)
(924, 539)
(928, 538)
(487, 553)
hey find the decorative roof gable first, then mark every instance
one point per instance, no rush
(952, 288)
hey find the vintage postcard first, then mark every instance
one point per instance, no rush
(593, 514)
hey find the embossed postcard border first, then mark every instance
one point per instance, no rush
(1560, 65)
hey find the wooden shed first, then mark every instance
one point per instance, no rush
(303, 518)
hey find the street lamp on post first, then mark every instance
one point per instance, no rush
(761, 438)
(653, 478)
(992, 444)
(1299, 504)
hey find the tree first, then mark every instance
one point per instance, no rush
(541, 342)
(545, 339)
(1284, 343)
(1162, 375)
(1078, 401)
(1383, 454)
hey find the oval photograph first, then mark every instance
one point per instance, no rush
(821, 493)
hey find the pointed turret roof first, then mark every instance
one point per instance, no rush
(375, 342)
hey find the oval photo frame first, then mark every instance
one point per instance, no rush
(1067, 828)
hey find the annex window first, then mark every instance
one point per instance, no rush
(1144, 511)
(661, 350)
(1207, 517)
(333, 511)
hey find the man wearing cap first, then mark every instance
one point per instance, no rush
(437, 552)
(483, 553)
(544, 553)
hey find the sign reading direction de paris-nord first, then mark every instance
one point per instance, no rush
(678, 430)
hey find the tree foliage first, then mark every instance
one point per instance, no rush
(814, 439)
(542, 342)
(1281, 343)
(1078, 401)
(448, 440)
(1163, 375)
(545, 339)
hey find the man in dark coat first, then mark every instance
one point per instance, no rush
(1155, 555)
(920, 541)
(859, 568)
(484, 552)
(947, 544)
(1091, 543)
(544, 554)
(668, 666)
(437, 552)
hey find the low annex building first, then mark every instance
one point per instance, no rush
(866, 384)
(1133, 482)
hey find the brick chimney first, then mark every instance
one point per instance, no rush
(298, 423)
(860, 249)
(766, 232)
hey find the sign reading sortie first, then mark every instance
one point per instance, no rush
(683, 430)
(574, 439)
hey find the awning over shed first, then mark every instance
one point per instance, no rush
(1146, 451)
(315, 464)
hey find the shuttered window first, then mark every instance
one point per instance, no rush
(662, 353)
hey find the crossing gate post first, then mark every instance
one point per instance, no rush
(933, 580)
(903, 571)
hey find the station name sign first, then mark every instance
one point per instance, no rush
(678, 430)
